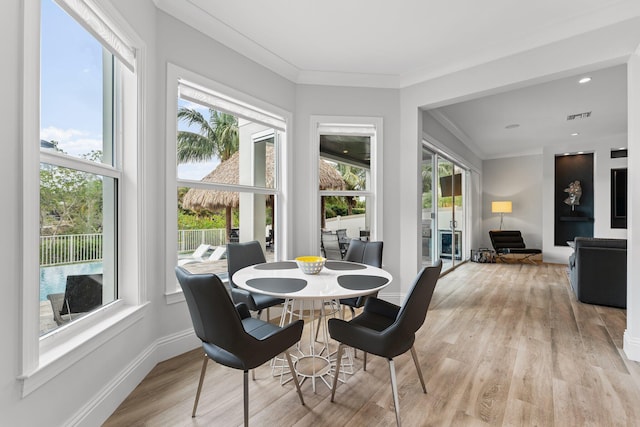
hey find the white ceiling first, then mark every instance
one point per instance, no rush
(394, 44)
(541, 112)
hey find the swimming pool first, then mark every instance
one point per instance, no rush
(54, 279)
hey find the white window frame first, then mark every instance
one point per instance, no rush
(344, 125)
(45, 357)
(239, 104)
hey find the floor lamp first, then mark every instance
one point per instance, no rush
(501, 207)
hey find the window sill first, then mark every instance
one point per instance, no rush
(177, 296)
(67, 345)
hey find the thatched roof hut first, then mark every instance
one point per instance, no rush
(228, 172)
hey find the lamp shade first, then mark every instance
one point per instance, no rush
(501, 207)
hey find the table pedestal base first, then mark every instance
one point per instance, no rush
(309, 361)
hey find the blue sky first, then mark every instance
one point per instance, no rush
(71, 83)
(71, 89)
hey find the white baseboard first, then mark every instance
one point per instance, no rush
(631, 346)
(392, 297)
(97, 410)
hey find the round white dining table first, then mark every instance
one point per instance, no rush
(313, 293)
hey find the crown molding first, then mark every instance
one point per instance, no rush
(199, 19)
(442, 118)
(587, 22)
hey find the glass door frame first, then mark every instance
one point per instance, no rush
(457, 257)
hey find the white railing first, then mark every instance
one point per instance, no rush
(189, 240)
(75, 248)
(70, 248)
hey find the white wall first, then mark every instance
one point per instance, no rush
(345, 101)
(438, 135)
(632, 334)
(603, 163)
(528, 181)
(10, 215)
(518, 179)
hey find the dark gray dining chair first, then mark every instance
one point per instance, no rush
(229, 335)
(386, 330)
(239, 256)
(369, 253)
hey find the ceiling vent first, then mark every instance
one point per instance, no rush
(579, 116)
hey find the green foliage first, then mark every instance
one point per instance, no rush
(70, 200)
(427, 201)
(340, 205)
(189, 221)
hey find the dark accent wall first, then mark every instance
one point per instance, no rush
(619, 198)
(579, 222)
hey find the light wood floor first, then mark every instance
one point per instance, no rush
(503, 344)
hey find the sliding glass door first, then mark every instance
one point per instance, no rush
(443, 215)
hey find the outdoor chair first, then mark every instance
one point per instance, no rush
(197, 255)
(330, 245)
(239, 256)
(229, 335)
(83, 293)
(386, 330)
(269, 239)
(57, 302)
(343, 240)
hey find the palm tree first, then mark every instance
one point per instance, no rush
(218, 136)
(354, 179)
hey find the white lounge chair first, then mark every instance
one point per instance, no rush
(217, 253)
(197, 255)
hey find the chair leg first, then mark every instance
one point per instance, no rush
(203, 371)
(335, 376)
(246, 398)
(414, 355)
(365, 361)
(394, 391)
(294, 376)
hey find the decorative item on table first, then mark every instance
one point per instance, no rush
(575, 192)
(310, 264)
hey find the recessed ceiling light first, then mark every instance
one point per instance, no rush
(584, 80)
(580, 152)
(566, 154)
(575, 134)
(512, 126)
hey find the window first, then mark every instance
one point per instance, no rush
(349, 177)
(225, 151)
(79, 174)
(77, 210)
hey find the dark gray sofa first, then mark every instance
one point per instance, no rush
(598, 271)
